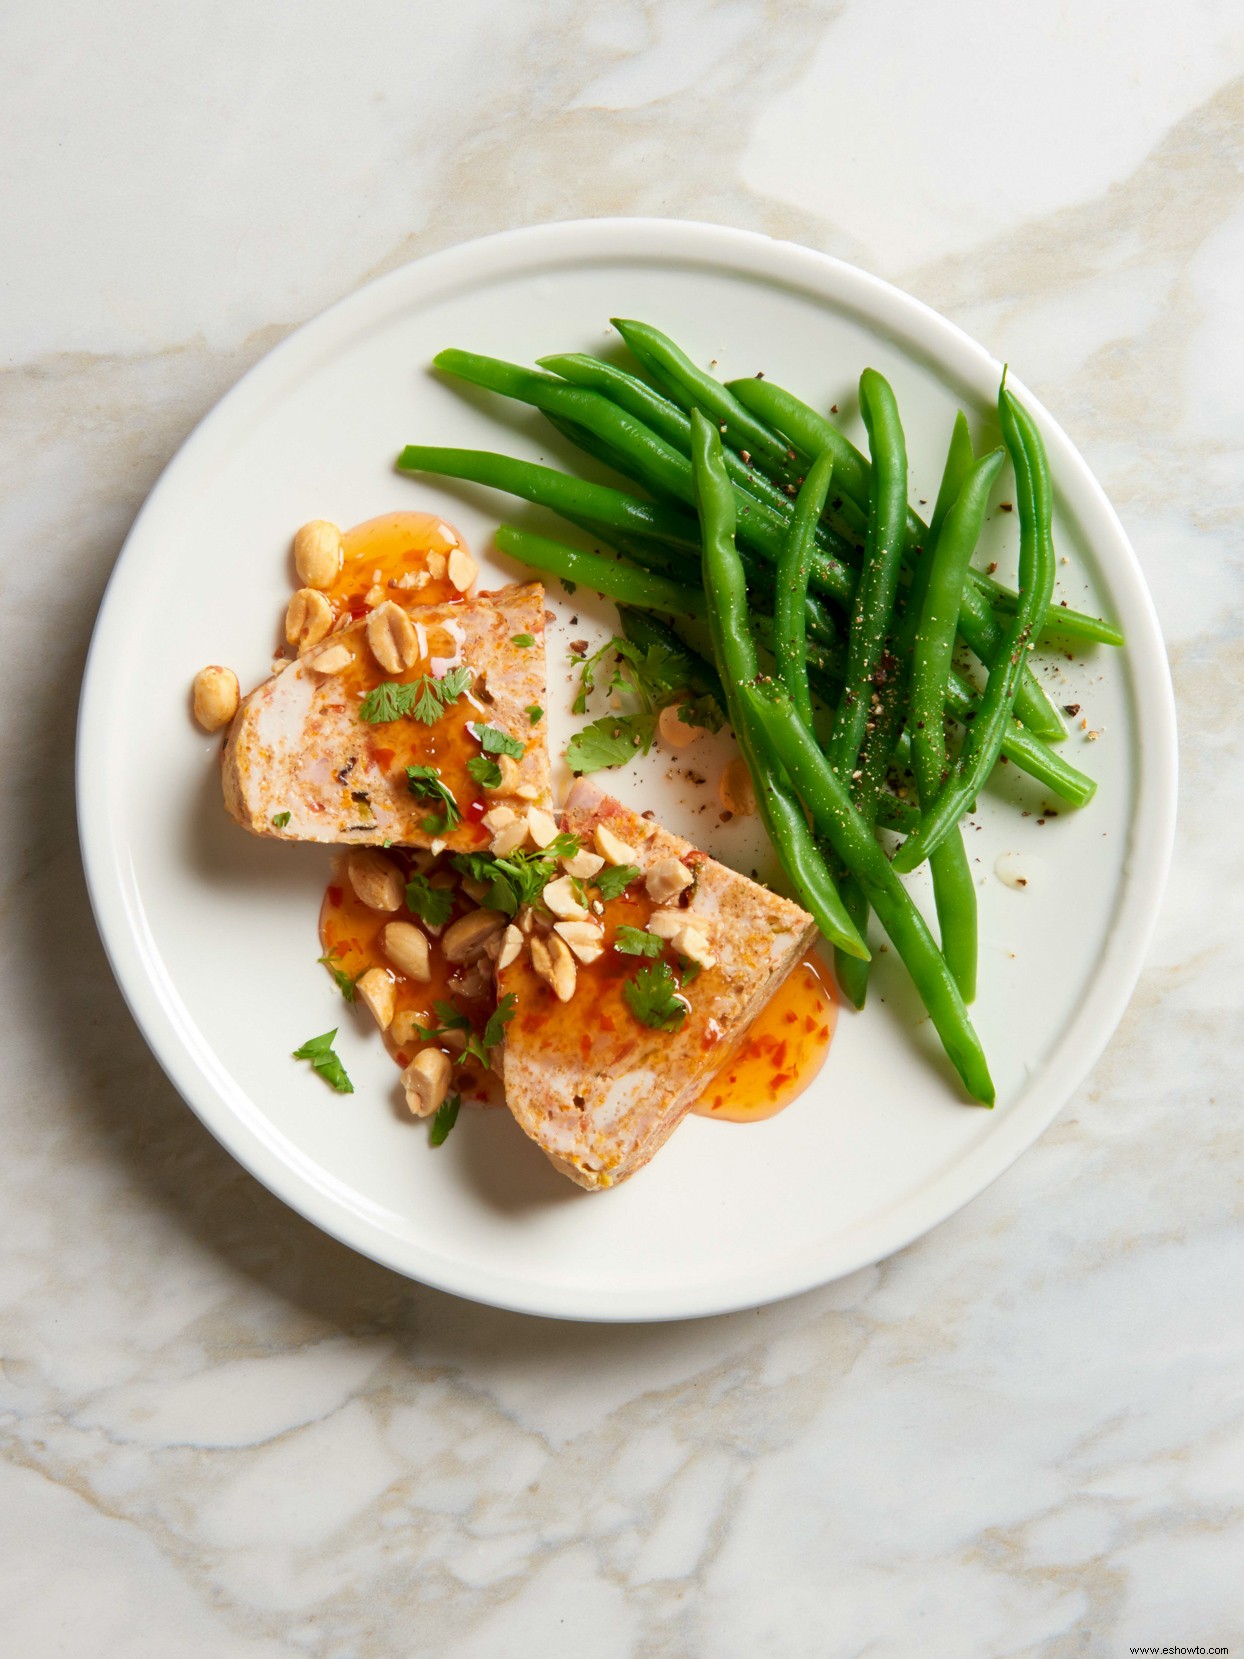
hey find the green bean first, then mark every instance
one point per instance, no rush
(611, 576)
(560, 491)
(790, 639)
(954, 891)
(872, 613)
(726, 592)
(1061, 621)
(656, 463)
(810, 433)
(668, 421)
(959, 462)
(1034, 497)
(694, 388)
(823, 793)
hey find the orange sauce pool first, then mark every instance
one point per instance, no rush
(393, 552)
(780, 1052)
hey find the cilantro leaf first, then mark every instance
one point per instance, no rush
(633, 941)
(453, 683)
(493, 741)
(451, 1017)
(280, 819)
(430, 904)
(587, 673)
(534, 713)
(443, 1122)
(345, 984)
(485, 771)
(319, 1050)
(520, 877)
(479, 1048)
(614, 879)
(688, 970)
(523, 641)
(425, 698)
(652, 996)
(424, 782)
(702, 711)
(610, 742)
(500, 1017)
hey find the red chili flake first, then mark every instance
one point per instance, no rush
(402, 1058)
(383, 757)
(334, 895)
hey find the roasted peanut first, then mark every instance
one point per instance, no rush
(436, 565)
(563, 901)
(674, 729)
(391, 636)
(734, 789)
(666, 879)
(692, 944)
(583, 865)
(511, 944)
(426, 1081)
(317, 553)
(510, 837)
(498, 817)
(405, 1026)
(508, 767)
(407, 948)
(376, 880)
(541, 826)
(308, 618)
(462, 569)
(667, 924)
(610, 847)
(465, 939)
(584, 938)
(215, 697)
(374, 990)
(553, 963)
(331, 659)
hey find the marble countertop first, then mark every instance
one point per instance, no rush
(226, 1435)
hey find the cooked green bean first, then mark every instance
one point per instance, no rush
(668, 421)
(790, 639)
(1061, 621)
(726, 592)
(1034, 497)
(695, 388)
(657, 464)
(954, 891)
(823, 793)
(593, 570)
(560, 491)
(805, 427)
(872, 612)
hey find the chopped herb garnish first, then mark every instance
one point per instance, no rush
(425, 698)
(478, 1047)
(688, 970)
(430, 904)
(610, 742)
(652, 996)
(280, 819)
(518, 878)
(633, 941)
(345, 984)
(451, 1016)
(443, 1122)
(614, 879)
(534, 713)
(485, 771)
(425, 783)
(652, 675)
(319, 1050)
(524, 641)
(701, 711)
(493, 741)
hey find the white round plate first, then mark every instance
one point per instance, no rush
(212, 934)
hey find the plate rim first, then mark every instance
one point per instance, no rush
(1151, 829)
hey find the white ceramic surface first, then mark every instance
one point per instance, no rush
(212, 935)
